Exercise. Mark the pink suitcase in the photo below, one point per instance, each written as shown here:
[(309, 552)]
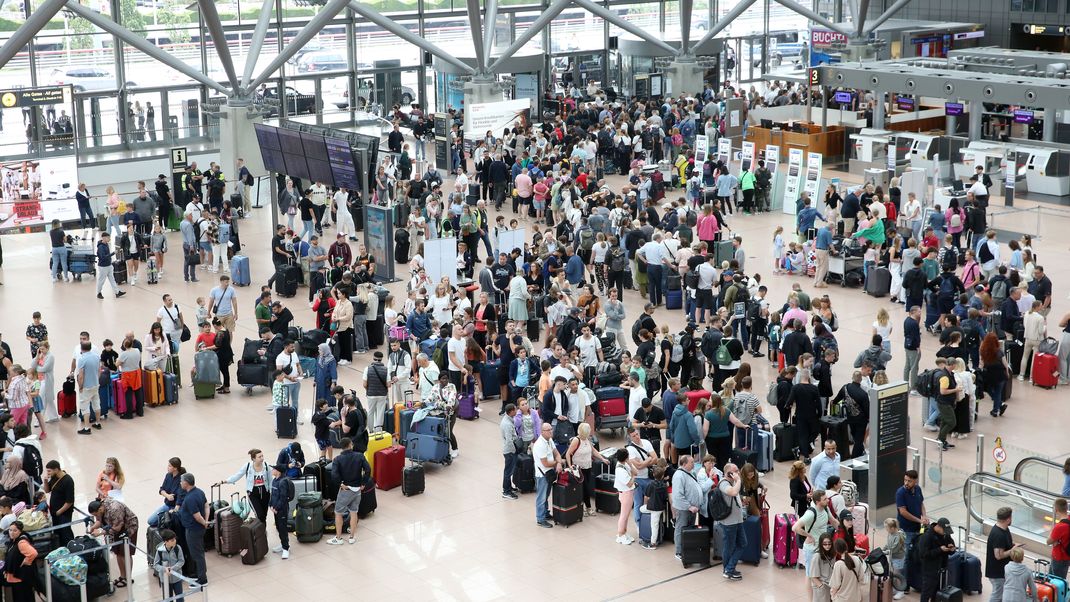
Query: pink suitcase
[(785, 550), (118, 396)]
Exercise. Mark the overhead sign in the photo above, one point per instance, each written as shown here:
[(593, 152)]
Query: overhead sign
[(969, 35), (496, 116), (35, 97), (815, 77), (952, 108), (889, 423)]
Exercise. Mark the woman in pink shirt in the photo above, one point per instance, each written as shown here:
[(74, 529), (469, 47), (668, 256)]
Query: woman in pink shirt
[(708, 226), (541, 190), (955, 222)]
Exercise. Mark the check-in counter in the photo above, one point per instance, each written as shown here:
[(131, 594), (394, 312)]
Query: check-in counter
[(810, 138), (1046, 171)]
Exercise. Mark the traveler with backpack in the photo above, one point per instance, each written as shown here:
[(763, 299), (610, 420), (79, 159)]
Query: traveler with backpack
[(1059, 539), (874, 354), (995, 371), (955, 222), (686, 499)]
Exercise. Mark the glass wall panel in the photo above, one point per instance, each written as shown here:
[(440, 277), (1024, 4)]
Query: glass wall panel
[(452, 34), (374, 46), (144, 71), (576, 30), (146, 124)]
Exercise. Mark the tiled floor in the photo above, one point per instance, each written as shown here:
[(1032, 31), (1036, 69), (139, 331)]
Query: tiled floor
[(459, 540)]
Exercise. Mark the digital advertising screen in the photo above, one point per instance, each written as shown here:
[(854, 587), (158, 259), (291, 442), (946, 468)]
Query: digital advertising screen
[(35, 192)]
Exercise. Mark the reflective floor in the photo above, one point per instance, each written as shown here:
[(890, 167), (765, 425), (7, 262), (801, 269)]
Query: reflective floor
[(459, 540)]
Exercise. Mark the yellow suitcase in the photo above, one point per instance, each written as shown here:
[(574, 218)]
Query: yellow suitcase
[(377, 441)]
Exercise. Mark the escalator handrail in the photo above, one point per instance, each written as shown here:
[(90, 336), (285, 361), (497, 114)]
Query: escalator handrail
[(978, 478), (1020, 467)]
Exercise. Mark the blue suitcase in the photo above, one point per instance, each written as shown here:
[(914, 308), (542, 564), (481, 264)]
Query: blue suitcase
[(406, 424), (674, 299), (170, 389), (752, 552), (239, 270), (308, 366), (489, 375), (644, 529), (431, 425), (964, 572), (763, 444), (426, 448)]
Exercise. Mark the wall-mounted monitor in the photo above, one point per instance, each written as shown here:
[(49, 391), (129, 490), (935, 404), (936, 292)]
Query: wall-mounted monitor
[(952, 108), (1023, 116), (844, 98)]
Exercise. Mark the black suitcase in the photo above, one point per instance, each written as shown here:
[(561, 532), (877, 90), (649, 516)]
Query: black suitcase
[(568, 502), (835, 428), (236, 202), (695, 545), (947, 592), (368, 504), (879, 282), (674, 281), (606, 497), (412, 480), (785, 449), (534, 329), (286, 280), (285, 422), (524, 475), (253, 375), (119, 270), (739, 457), (1014, 350)]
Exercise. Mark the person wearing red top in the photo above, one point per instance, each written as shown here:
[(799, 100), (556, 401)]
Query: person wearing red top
[(1059, 540), (930, 240), (581, 180), (206, 339)]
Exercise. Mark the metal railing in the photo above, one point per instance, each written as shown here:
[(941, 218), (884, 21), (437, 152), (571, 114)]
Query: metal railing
[(1033, 519), (925, 441)]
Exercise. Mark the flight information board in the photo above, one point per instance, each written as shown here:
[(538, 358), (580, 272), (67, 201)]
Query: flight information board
[(343, 165)]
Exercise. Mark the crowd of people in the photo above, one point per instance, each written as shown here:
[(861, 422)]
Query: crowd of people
[(543, 328)]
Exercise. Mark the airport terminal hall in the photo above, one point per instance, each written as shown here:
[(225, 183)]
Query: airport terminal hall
[(529, 300)]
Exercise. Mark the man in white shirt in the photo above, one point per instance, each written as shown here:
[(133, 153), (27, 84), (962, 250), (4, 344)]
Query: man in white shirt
[(989, 258), (636, 394), (547, 460), (170, 318), (290, 364), (979, 190), (707, 276), (590, 352), (427, 375), (578, 402), (565, 369), (344, 217), (455, 358), (656, 257), (399, 365), (83, 337), (640, 455)]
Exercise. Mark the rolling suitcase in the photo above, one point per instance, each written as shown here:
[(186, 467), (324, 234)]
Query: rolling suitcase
[(154, 388), (206, 368), (308, 522), (389, 465), (879, 282), (752, 552), (835, 428), (251, 375), (606, 497), (204, 390), (466, 407), (762, 442), (489, 375), (1014, 350), (784, 450), (119, 400), (254, 543), (567, 507), (431, 425), (285, 422), (964, 572), (1045, 370), (412, 480), (674, 299), (377, 441), (67, 404), (695, 545), (170, 389), (1043, 576), (723, 251), (524, 475), (227, 532), (645, 533), (368, 503), (286, 279), (426, 448), (404, 424), (947, 592), (239, 270), (880, 589), (785, 548)]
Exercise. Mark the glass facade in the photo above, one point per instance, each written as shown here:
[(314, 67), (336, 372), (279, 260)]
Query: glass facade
[(124, 99)]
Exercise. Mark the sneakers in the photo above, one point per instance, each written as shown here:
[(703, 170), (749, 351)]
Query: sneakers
[(932, 428), (946, 446), (765, 554), (735, 576), (343, 362), (898, 595), (85, 432), (646, 546), (352, 540), (678, 557), (277, 549), (1002, 409), (334, 541), (453, 453), (1021, 378), (510, 496), (119, 294), (285, 554), (100, 296), (545, 525), (625, 540)]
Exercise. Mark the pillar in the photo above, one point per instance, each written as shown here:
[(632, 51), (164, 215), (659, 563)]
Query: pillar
[(685, 77), (878, 110), (237, 138), (951, 124), (1048, 133), (974, 131)]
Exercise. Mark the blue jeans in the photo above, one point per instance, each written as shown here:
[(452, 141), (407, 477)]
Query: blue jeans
[(421, 148), (59, 262), (739, 326), (307, 229), (293, 392), (933, 413), (507, 475), (996, 395), (735, 541), (154, 518), (637, 499), (654, 276), (542, 490), (485, 237)]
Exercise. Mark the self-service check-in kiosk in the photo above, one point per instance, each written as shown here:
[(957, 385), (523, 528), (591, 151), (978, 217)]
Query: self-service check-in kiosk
[(1046, 170), (923, 154), (988, 154), (869, 150)]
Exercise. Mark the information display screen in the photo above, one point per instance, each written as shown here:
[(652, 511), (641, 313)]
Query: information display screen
[(1023, 116), (843, 97), (315, 148), (891, 429), (952, 108), (343, 166)]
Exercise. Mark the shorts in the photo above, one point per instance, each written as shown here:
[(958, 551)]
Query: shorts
[(323, 444), (89, 398), (38, 404), (539, 205), (348, 501), (206, 246)]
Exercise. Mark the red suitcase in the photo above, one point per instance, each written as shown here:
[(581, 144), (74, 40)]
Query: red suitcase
[(693, 397), (1045, 370), (118, 397), (612, 407), (67, 403), (389, 464)]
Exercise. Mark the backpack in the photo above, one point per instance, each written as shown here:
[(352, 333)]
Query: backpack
[(692, 218), (984, 253), (754, 310), (925, 385), (849, 491), (772, 396), (956, 220), (618, 262), (677, 352), (950, 259), (720, 508), (439, 355), (691, 279), (636, 327), (723, 357), (197, 230), (850, 406), (971, 333), (1066, 544), (947, 286), (586, 239), (999, 290), (32, 464), (873, 356)]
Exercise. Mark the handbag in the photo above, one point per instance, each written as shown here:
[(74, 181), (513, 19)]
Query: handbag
[(186, 334), (193, 257)]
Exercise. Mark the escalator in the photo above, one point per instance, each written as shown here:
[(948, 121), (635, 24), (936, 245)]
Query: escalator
[(1030, 494)]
